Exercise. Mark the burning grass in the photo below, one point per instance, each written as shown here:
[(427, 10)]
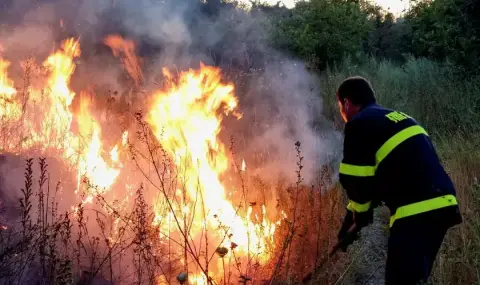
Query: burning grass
[(107, 241), (159, 200)]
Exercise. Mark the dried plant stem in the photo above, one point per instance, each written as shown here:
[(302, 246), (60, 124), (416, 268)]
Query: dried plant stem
[(297, 190)]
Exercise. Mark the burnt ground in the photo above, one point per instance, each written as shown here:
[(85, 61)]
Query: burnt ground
[(364, 261)]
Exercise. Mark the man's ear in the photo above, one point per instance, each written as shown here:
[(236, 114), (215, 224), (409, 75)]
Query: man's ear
[(346, 104)]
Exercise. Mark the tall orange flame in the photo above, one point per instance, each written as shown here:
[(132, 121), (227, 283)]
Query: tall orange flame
[(8, 107), (186, 118), (6, 84), (92, 164), (47, 119), (130, 60)]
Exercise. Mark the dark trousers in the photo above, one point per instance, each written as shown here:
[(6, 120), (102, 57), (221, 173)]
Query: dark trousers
[(412, 250)]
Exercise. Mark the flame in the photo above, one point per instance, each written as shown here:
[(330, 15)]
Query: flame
[(6, 85), (40, 117), (62, 67), (197, 279), (92, 165), (9, 108), (186, 119), (53, 102), (124, 138), (130, 61), (89, 159), (47, 119)]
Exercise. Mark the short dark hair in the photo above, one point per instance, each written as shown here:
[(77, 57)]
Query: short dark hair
[(358, 90)]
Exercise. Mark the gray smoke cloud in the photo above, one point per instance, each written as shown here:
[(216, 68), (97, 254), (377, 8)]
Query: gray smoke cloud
[(278, 96), (290, 111)]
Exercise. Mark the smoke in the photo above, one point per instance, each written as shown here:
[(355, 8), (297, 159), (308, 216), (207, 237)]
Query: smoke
[(284, 102), (278, 96)]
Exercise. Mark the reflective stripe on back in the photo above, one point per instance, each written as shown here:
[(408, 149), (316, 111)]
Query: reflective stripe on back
[(382, 153), (423, 206), (395, 140)]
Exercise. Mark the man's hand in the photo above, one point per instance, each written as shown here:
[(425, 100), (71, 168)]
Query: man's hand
[(363, 219), (347, 234), (352, 224), (348, 222)]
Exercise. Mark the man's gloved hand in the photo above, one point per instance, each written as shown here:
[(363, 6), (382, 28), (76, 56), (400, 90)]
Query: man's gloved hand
[(348, 240), (352, 224), (348, 222), (345, 235), (376, 203), (363, 219)]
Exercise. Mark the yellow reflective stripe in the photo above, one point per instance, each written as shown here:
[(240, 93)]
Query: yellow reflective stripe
[(383, 151), (359, 208), (350, 207), (357, 170), (395, 140), (423, 206)]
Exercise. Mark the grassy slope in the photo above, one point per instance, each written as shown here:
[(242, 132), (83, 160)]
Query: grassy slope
[(450, 110)]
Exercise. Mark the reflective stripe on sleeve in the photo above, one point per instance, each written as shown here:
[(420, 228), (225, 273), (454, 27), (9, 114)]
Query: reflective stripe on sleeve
[(422, 207), (359, 208), (357, 170)]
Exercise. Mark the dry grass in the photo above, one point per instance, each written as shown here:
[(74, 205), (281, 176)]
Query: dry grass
[(118, 244), (459, 260)]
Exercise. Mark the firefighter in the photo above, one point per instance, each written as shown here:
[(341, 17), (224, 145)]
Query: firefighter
[(388, 157)]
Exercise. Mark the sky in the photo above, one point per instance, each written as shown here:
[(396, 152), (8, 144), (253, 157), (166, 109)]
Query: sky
[(394, 6)]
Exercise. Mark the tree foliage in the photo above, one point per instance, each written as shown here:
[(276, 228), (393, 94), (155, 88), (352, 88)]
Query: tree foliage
[(447, 30), (322, 31), (390, 39)]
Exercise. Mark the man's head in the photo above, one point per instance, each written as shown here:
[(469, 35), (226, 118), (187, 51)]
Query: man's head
[(353, 95)]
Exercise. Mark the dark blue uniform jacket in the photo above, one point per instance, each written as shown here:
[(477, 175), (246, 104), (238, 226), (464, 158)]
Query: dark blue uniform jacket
[(389, 157)]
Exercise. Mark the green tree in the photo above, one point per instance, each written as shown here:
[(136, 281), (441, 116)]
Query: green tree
[(447, 30), (322, 31), (390, 39)]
